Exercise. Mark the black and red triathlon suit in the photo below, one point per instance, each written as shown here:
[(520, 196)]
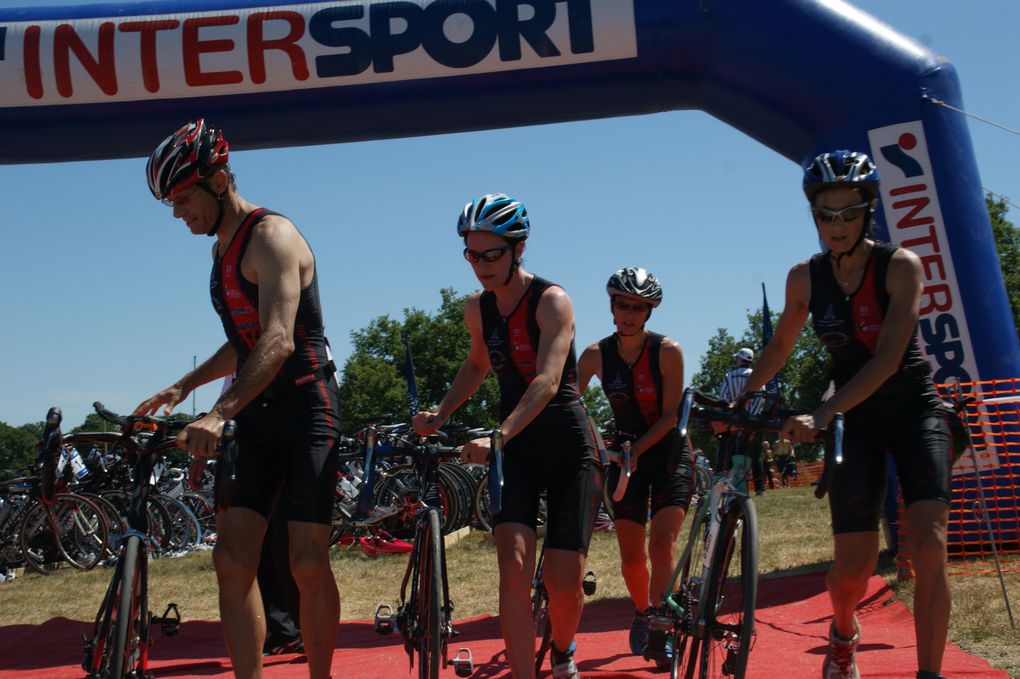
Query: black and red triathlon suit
[(287, 435), (904, 416), (664, 472), (556, 451)]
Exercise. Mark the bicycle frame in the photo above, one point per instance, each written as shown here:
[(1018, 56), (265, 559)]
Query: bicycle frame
[(121, 633)]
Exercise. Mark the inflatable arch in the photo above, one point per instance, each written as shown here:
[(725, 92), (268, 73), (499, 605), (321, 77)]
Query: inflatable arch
[(289, 73)]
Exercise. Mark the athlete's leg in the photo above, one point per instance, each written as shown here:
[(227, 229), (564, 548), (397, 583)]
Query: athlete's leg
[(320, 600), (562, 575), (515, 552), (630, 536), (239, 533), (855, 557), (926, 535), (662, 549)]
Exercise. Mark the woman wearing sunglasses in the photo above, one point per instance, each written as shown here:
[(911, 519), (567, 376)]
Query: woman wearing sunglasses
[(642, 375), (522, 327), (863, 296)]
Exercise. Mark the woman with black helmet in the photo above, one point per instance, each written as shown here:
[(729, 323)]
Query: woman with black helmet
[(642, 375), (522, 327), (864, 297)]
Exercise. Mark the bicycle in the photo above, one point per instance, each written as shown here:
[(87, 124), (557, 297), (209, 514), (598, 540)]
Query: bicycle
[(424, 612), (44, 527), (704, 626), (119, 646)]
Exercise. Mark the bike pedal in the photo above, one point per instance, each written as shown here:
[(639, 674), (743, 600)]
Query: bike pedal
[(463, 663), (86, 660), (589, 584), (385, 620), (170, 621)]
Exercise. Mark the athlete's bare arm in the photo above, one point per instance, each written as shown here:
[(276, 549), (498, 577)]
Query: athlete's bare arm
[(589, 365), (469, 378), (219, 365)]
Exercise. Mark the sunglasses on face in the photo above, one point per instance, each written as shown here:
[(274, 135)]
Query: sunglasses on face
[(847, 214), (488, 256), (627, 305)]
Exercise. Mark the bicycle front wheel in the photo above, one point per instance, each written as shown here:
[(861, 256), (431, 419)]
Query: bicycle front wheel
[(428, 622), (128, 612), (731, 593)]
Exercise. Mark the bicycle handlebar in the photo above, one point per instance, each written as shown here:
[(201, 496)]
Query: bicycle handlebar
[(706, 407), (495, 472), (374, 450)]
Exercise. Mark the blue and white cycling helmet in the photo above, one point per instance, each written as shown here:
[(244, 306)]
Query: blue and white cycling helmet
[(848, 169), (496, 213)]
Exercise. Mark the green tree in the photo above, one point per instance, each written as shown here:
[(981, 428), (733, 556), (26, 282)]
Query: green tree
[(598, 405), (18, 445), (1007, 244), (373, 382)]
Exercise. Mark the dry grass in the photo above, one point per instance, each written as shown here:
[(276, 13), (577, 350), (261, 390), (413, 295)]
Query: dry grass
[(794, 538)]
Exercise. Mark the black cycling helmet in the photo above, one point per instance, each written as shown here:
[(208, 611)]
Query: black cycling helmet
[(844, 169), (848, 169), (186, 158), (636, 283)]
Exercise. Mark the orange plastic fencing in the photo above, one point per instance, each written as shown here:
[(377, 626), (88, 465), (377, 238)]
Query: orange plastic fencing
[(994, 460)]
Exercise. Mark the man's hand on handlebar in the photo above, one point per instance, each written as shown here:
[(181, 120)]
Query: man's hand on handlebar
[(805, 428), (202, 437), (476, 451)]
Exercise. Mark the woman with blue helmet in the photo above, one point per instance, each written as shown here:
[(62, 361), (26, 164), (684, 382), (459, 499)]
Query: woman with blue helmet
[(863, 296), (522, 328)]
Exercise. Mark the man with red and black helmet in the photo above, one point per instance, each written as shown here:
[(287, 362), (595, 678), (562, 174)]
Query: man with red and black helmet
[(642, 375), (285, 397), (863, 296), (522, 328)]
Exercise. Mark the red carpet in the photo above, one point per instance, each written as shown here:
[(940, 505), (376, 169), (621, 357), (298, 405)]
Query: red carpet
[(793, 622)]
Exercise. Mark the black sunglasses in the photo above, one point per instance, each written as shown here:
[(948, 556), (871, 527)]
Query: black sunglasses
[(489, 256)]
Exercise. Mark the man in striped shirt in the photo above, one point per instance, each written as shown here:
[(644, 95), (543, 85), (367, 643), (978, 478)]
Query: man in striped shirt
[(730, 390)]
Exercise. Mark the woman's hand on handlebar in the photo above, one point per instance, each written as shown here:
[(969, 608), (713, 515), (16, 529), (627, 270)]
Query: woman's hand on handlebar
[(805, 428), (202, 437), (476, 451), (425, 423)]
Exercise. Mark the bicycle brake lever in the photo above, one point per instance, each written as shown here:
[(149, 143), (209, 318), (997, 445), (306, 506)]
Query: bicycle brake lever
[(837, 437), (685, 411)]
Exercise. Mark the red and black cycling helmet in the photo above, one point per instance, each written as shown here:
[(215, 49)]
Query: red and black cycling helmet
[(636, 283), (185, 158), (842, 168)]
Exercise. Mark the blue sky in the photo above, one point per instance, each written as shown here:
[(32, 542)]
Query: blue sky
[(105, 296)]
